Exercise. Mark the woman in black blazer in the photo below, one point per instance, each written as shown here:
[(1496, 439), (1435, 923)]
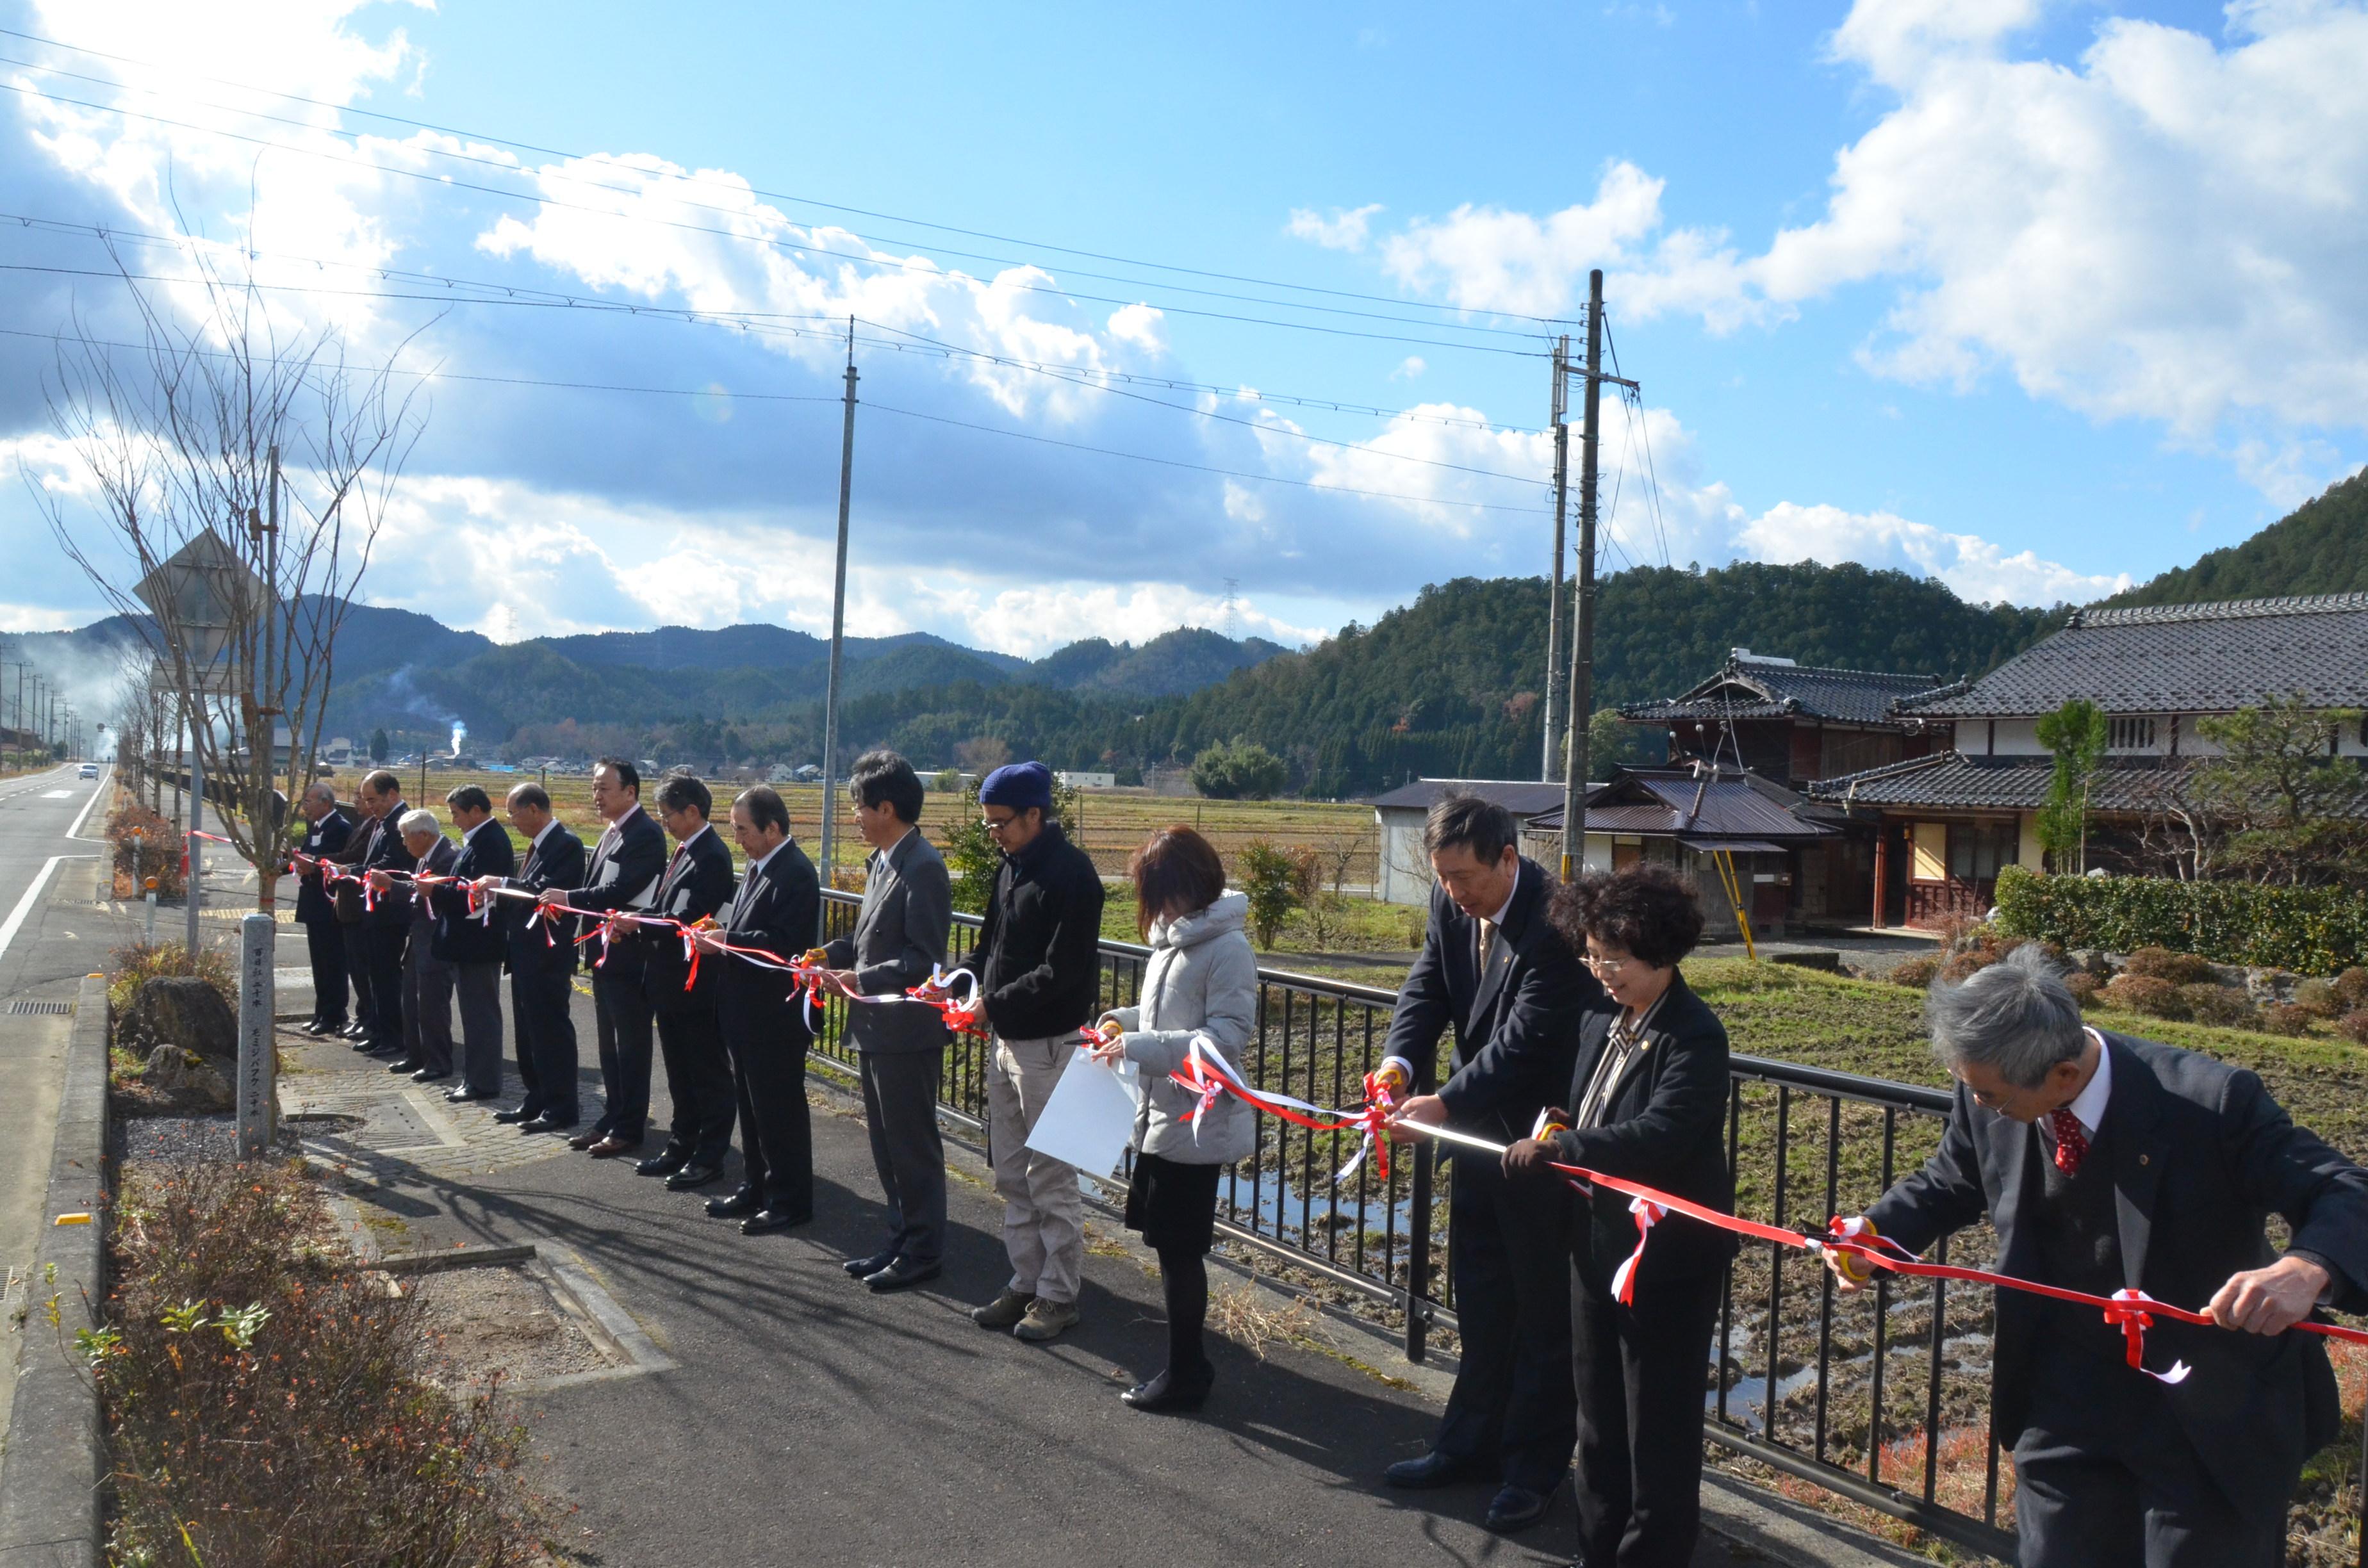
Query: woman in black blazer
[(1647, 1104)]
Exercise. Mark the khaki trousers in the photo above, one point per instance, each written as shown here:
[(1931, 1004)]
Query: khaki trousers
[(1042, 1206)]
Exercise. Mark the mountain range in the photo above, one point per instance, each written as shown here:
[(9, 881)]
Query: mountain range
[(1448, 684)]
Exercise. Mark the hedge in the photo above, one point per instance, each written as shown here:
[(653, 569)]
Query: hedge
[(2311, 930)]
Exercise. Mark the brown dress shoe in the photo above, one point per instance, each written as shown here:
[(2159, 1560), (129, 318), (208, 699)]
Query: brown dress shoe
[(612, 1146), (586, 1140)]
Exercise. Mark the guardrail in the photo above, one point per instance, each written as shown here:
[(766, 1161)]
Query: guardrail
[(1881, 1396)]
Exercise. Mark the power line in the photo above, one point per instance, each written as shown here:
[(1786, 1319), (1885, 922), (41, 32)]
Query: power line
[(894, 263), (773, 195)]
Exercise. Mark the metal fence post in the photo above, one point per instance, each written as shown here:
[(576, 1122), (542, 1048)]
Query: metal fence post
[(1418, 1302), (257, 937)]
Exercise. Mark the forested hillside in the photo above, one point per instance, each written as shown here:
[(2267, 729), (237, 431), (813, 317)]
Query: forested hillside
[(2321, 547)]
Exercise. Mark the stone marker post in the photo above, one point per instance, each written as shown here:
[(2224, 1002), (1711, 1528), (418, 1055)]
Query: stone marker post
[(258, 939)]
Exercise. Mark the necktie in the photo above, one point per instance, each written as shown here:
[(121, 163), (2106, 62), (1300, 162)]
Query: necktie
[(2071, 1143), (1488, 941)]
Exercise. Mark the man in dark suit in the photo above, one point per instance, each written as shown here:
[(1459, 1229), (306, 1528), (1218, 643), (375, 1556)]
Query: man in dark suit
[(2107, 1163), (697, 883), (326, 829), (541, 959), (622, 876), (427, 967), (474, 944), (762, 1023), (900, 938), (386, 923), (347, 901), (1493, 968)]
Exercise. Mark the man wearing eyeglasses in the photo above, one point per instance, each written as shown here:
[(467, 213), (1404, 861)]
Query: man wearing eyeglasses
[(1495, 969), (1039, 969)]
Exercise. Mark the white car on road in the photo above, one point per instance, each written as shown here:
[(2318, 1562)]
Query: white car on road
[(90, 770)]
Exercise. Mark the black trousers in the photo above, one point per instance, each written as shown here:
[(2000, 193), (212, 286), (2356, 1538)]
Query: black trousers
[(325, 944), (2106, 1478), (1512, 1400), (386, 946), (899, 1108), (1640, 1374), (358, 970), (767, 1047), (621, 1013), (540, 996), (698, 1081)]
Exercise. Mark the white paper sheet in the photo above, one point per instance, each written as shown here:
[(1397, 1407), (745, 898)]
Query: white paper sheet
[(1090, 1118)]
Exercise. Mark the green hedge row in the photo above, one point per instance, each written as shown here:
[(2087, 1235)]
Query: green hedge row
[(2311, 930)]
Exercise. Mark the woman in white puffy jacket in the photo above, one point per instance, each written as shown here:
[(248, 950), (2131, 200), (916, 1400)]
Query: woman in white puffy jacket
[(1199, 985)]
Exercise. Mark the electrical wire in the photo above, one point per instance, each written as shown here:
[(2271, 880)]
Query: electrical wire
[(737, 187), (892, 263), (1633, 397)]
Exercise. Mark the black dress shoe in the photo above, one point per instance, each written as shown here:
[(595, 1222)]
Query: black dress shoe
[(1434, 1469), (1169, 1391), (405, 1064), (692, 1175), (361, 1042), (901, 1275), (546, 1122), (767, 1221), (665, 1162), (739, 1205), (464, 1094), (865, 1267), (429, 1075), (317, 1027), (1516, 1507), (512, 1118), (355, 1030)]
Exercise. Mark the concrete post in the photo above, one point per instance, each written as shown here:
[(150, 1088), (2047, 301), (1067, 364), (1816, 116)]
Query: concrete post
[(257, 937)]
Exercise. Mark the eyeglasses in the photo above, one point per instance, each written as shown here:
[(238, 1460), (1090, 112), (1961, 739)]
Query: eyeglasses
[(1605, 966)]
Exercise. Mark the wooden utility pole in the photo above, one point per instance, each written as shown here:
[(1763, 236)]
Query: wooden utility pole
[(837, 636), (1582, 642), (1561, 406)]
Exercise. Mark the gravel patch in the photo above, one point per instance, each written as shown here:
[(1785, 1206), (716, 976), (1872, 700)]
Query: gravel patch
[(175, 1141)]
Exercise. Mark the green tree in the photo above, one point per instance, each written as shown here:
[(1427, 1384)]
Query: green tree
[(970, 855), (1273, 878), (1239, 770), (380, 746), (2076, 732), (2289, 802)]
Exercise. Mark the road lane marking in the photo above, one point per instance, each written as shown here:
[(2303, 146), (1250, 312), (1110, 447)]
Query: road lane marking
[(32, 896), (57, 794)]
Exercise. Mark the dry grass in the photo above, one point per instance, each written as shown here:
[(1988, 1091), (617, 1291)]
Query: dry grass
[(1254, 1316)]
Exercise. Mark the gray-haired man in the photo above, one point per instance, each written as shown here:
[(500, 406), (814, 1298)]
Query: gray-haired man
[(2076, 1142)]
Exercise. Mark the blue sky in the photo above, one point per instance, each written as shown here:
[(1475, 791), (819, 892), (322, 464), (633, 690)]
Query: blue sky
[(2038, 298)]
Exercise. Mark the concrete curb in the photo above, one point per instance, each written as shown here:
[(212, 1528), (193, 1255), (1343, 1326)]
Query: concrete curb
[(56, 1457)]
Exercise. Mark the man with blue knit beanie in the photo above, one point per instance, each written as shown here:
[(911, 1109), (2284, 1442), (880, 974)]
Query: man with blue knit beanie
[(1039, 968)]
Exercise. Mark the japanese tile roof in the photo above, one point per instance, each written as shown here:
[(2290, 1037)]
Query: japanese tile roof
[(2208, 658), (1729, 806), (1523, 800), (1759, 688), (1951, 779)]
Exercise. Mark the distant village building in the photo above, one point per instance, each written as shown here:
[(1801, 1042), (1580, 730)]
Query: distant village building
[(1076, 781), (1405, 874), (1947, 821), (1793, 723)]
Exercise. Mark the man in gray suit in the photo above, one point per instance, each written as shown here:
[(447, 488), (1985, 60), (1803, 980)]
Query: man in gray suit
[(900, 937)]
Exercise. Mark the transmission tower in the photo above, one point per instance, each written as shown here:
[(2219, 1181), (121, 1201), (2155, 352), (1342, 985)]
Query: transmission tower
[(1233, 609)]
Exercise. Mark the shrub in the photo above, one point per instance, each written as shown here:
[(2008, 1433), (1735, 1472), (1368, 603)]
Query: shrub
[(2144, 993), (130, 966), (1916, 972), (2318, 998), (250, 1382), (2351, 989), (2312, 930), (1271, 876), (2210, 1003), (145, 845), (2353, 1027), (1242, 770), (2286, 1018), (2083, 986), (2180, 969)]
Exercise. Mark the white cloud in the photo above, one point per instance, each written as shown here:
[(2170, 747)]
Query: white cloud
[(1410, 368), (1972, 567), (1348, 228), (1141, 325)]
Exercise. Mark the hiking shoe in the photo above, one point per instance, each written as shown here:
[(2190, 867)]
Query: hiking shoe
[(1005, 1311), (1045, 1319)]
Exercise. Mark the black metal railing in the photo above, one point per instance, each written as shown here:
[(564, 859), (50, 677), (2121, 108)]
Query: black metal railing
[(1880, 1396)]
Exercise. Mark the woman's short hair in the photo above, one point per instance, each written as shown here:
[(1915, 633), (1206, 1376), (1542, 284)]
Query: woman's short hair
[(766, 807), (680, 791), (1175, 872), (1650, 911), (884, 778)]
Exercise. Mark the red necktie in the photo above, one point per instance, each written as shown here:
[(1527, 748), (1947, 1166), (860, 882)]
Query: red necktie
[(2071, 1143)]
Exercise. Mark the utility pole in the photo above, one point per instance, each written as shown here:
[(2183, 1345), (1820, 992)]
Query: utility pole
[(1561, 405), (1582, 642), (838, 638)]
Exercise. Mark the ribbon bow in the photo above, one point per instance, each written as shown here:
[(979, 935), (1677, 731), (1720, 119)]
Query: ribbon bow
[(2129, 1315), (1623, 1280)]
